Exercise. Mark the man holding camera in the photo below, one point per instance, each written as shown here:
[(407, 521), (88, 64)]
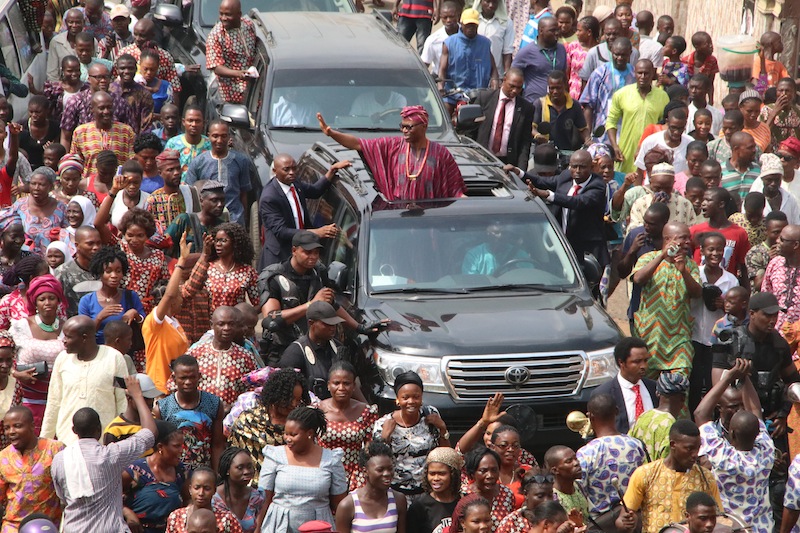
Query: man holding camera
[(771, 357)]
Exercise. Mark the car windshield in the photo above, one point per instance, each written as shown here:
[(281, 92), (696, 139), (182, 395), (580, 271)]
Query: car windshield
[(209, 9), (352, 99), (467, 253)]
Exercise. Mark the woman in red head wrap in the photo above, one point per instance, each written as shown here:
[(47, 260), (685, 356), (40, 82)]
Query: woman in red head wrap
[(789, 153), (39, 340)]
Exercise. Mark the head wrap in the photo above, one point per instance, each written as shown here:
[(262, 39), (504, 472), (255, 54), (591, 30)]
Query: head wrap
[(405, 378), (61, 246), (42, 284), (750, 93), (7, 341), (671, 383), (770, 165), (792, 145), (47, 172), (658, 154), (446, 456), (600, 150), (89, 212), (8, 217), (167, 156), (70, 161), (416, 113)]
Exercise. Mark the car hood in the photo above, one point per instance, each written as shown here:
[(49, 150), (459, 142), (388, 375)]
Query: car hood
[(480, 325)]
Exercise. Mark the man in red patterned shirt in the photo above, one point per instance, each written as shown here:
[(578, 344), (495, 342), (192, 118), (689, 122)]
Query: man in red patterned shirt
[(144, 32), (230, 51), (103, 134)]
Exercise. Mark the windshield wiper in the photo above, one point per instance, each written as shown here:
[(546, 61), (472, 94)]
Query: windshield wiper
[(519, 286), (295, 128), (420, 290)]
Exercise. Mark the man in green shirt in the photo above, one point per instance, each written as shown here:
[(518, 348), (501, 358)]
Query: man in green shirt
[(633, 108), (195, 225)]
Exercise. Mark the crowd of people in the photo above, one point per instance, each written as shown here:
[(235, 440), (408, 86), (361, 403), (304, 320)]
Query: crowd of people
[(136, 397)]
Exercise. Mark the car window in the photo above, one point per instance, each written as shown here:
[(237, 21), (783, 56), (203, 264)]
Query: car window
[(7, 46), (209, 9), (332, 208), (24, 48), (467, 252), (255, 95), (351, 98)]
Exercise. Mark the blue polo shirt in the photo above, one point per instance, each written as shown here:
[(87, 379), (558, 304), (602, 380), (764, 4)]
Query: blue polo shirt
[(537, 64)]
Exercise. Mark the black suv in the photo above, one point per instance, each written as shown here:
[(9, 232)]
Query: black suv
[(353, 68), (531, 330)]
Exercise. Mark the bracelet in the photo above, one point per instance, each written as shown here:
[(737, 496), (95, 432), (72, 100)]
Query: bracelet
[(181, 267)]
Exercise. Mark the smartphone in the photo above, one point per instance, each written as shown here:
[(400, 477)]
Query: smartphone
[(120, 382), (119, 170)]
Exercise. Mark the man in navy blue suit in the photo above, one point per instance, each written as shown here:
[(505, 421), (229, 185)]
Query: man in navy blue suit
[(631, 391), (577, 199), (282, 208)]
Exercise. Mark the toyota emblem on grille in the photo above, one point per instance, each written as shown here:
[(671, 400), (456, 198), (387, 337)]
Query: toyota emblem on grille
[(518, 375)]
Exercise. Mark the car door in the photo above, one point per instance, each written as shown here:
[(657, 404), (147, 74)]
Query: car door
[(19, 56)]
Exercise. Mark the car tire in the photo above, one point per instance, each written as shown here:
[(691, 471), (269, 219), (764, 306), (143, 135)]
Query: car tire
[(255, 232)]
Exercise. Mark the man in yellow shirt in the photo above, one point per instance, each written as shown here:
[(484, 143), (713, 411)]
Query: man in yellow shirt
[(636, 106), (659, 490)]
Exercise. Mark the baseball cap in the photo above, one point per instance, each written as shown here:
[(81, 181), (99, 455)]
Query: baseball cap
[(306, 240), (119, 10), (149, 389), (764, 301), (315, 526), (323, 311), (470, 16)]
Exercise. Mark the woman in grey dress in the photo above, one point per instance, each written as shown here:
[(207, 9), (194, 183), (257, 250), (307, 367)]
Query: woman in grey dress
[(302, 481)]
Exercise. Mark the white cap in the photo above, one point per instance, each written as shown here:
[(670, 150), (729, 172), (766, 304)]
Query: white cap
[(119, 10), (149, 389)]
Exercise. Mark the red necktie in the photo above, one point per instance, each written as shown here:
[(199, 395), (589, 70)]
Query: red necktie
[(638, 405), (575, 189), (497, 140), (300, 224)]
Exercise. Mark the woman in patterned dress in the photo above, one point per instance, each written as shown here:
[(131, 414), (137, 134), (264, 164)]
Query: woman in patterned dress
[(349, 421), (58, 93), (153, 485), (202, 486), (14, 305), (413, 430), (262, 425), (39, 212), (146, 267), (8, 384), (224, 270), (588, 36), (483, 471), (235, 493), (537, 487), (39, 339), (506, 442)]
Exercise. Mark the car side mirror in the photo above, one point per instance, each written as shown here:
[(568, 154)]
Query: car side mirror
[(169, 14), (337, 273), (236, 115), (592, 269), (469, 115)]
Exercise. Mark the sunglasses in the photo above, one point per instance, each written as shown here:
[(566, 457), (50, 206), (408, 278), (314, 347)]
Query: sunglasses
[(404, 127), (786, 157), (540, 480)]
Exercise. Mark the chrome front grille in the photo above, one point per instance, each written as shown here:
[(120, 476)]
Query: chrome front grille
[(549, 375)]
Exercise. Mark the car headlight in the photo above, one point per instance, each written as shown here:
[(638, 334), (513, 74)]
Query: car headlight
[(601, 367), (392, 364)]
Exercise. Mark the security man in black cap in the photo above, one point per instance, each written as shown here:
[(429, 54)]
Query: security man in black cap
[(315, 352), (288, 289), (770, 354)]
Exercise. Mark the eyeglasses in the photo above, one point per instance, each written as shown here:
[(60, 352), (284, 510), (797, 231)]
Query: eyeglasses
[(786, 157), (101, 76), (404, 127)]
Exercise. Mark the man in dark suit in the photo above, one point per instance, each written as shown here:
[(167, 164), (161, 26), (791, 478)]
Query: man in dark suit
[(507, 135), (577, 199), (630, 387), (282, 208)]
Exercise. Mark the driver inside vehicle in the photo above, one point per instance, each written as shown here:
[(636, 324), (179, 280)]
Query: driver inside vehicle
[(500, 248), (292, 110), (373, 103)]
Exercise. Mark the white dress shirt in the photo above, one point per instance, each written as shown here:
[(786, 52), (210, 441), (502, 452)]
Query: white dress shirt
[(501, 34), (630, 397), (432, 49), (287, 190)]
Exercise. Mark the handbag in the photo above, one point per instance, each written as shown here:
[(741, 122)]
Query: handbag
[(137, 338)]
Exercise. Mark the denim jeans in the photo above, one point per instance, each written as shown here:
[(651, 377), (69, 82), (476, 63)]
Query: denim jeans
[(409, 26)]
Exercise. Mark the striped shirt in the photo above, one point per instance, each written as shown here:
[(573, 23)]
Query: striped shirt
[(739, 182), (89, 140), (364, 524), (416, 9), (101, 512)]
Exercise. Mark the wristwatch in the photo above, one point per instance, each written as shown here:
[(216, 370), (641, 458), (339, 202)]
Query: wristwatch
[(446, 435)]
